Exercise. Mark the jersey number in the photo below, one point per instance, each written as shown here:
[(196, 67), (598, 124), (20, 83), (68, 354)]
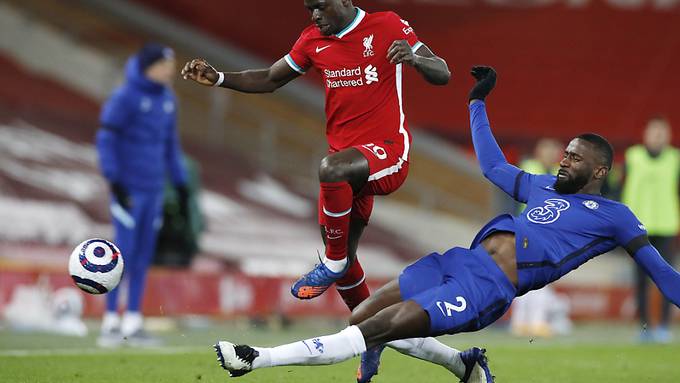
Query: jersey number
[(377, 150), (450, 307)]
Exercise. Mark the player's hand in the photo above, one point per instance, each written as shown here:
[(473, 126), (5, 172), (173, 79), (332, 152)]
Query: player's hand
[(121, 195), (400, 52), (200, 71), (486, 80)]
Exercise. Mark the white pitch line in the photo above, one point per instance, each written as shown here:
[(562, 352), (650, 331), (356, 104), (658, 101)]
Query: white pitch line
[(94, 350)]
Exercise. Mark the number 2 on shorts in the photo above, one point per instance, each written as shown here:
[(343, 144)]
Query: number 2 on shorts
[(450, 307)]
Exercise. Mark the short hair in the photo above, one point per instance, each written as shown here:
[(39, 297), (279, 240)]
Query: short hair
[(603, 147)]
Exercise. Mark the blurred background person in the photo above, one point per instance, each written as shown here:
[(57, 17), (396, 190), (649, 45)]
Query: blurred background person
[(650, 189), (137, 146), (545, 159), (541, 313)]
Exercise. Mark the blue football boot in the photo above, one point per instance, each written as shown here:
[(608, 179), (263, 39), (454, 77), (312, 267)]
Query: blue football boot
[(476, 367), (370, 361), (314, 283)]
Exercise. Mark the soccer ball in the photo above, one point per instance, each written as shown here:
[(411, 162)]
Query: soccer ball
[(96, 266)]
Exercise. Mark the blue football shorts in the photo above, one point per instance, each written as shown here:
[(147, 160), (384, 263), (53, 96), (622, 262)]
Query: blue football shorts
[(461, 290)]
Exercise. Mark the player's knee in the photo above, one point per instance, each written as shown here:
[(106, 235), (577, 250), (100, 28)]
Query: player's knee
[(333, 170)]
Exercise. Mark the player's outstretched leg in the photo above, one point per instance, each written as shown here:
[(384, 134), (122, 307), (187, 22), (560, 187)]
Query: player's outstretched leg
[(402, 320), (328, 349), (400, 326), (238, 360)]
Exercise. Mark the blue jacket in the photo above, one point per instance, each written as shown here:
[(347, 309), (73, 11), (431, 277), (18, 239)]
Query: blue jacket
[(137, 142)]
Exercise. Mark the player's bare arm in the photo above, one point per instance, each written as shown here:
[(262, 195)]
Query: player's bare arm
[(248, 81), (433, 68)]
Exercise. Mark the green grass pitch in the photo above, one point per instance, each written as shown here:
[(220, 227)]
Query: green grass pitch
[(592, 354)]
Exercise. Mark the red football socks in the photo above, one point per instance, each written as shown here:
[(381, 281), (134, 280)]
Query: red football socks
[(336, 203), (352, 287)]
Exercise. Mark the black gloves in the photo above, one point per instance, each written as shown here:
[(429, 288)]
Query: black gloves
[(183, 201), (121, 195), (486, 80)]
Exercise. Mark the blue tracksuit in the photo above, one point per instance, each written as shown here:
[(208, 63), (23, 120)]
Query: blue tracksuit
[(138, 146), (464, 290)]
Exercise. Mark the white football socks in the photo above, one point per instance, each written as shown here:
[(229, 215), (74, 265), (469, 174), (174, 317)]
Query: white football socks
[(349, 343), (335, 266), (327, 349), (110, 321), (431, 350), (132, 321)]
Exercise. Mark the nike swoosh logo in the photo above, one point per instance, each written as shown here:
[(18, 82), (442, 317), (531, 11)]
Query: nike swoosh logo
[(322, 48)]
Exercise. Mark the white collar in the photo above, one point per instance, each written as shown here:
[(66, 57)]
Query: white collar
[(357, 19)]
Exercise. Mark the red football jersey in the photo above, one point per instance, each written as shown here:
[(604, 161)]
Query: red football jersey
[(363, 89)]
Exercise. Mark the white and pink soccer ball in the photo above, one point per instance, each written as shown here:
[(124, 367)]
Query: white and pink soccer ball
[(96, 266)]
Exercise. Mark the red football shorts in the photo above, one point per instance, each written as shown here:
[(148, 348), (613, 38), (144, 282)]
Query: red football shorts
[(387, 171)]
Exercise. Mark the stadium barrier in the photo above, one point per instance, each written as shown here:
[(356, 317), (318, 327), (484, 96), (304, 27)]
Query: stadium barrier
[(229, 295)]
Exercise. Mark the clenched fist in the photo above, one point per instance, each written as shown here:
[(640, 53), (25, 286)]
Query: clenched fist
[(200, 71), (486, 81)]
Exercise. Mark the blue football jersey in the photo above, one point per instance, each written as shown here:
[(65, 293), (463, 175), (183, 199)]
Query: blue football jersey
[(138, 143), (557, 233)]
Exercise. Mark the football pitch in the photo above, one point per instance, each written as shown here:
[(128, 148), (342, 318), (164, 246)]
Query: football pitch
[(593, 353)]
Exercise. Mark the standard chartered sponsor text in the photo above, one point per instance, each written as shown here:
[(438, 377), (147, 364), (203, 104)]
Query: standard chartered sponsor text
[(342, 83), (348, 77), (344, 72)]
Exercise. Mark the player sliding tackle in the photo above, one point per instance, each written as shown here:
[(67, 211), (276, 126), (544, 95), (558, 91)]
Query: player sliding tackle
[(566, 223)]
